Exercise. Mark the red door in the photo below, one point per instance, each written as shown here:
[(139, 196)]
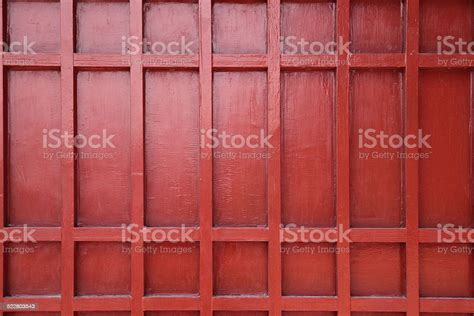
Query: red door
[(237, 157)]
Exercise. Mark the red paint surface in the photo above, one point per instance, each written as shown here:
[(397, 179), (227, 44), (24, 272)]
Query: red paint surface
[(235, 80)]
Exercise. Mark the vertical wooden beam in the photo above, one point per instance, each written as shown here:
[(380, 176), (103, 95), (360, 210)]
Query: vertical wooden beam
[(4, 144), (205, 167), (411, 165), (67, 165), (137, 156), (342, 158), (273, 163)]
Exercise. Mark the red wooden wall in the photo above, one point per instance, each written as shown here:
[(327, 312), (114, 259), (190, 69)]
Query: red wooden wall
[(236, 80)]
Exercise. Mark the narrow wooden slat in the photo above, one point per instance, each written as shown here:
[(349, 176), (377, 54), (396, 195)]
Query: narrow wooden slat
[(274, 162), (240, 234), (378, 304), (36, 60), (102, 303), (67, 165), (175, 303), (302, 62), (101, 60), (137, 156), (295, 303), (377, 60), (226, 61), (446, 305), (342, 160), (40, 233), (442, 61), (170, 61), (3, 154), (205, 164), (411, 165), (237, 303), (385, 235)]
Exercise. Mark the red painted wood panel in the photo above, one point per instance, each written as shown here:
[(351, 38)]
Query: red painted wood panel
[(235, 77), (104, 184), (308, 196), (445, 178), (376, 177), (172, 167), (33, 166), (240, 190)]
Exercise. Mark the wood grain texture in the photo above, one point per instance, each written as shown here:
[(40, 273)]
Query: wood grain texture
[(104, 184), (239, 108), (445, 180), (172, 197), (376, 180), (31, 171), (307, 149)]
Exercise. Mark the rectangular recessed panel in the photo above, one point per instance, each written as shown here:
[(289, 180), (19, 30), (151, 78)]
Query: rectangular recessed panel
[(307, 168), (102, 268), (446, 270), (30, 32), (377, 26), (376, 164), (445, 107), (240, 268), (171, 27), (378, 269), (239, 28), (34, 148), (172, 148), (307, 27), (32, 268), (103, 164), (443, 23), (102, 27), (308, 269), (240, 144), (171, 268)]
